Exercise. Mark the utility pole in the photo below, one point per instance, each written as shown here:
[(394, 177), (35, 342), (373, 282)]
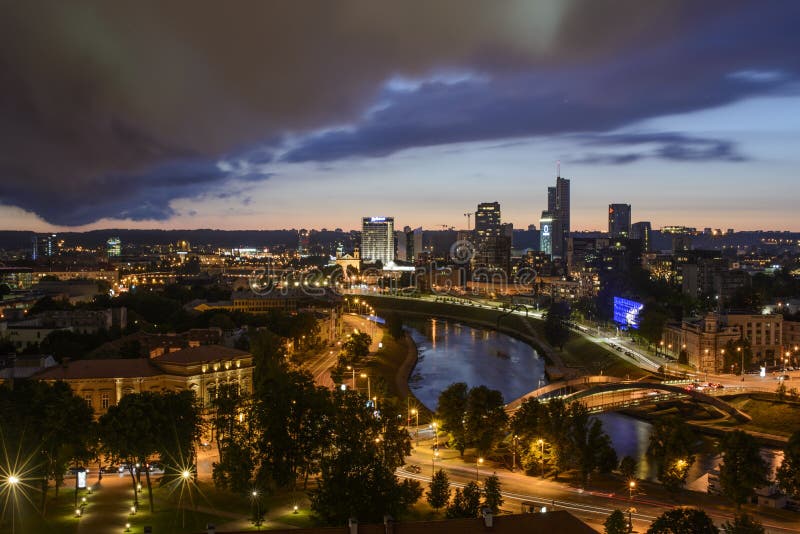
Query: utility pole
[(468, 215)]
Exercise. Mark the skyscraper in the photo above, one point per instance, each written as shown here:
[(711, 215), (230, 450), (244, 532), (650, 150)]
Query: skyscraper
[(619, 220), (113, 247), (487, 220), (546, 233), (44, 246), (377, 239), (558, 208), (493, 248), (641, 231)]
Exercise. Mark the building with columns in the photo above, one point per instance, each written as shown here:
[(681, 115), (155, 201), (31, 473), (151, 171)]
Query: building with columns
[(202, 370), (705, 339)]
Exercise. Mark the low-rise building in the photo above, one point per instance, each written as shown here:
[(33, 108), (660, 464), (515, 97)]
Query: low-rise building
[(705, 339), (202, 370)]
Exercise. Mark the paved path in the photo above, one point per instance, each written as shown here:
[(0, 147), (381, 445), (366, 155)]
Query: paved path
[(107, 506)]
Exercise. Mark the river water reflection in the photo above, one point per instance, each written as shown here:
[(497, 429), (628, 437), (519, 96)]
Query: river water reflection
[(453, 352)]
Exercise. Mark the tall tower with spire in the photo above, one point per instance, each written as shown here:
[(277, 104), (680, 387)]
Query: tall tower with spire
[(558, 207)]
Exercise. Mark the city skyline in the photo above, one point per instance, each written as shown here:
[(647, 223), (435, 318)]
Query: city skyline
[(682, 110)]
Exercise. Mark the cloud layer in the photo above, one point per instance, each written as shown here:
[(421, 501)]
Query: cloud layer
[(117, 109)]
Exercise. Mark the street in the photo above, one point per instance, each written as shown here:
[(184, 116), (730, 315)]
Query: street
[(591, 506)]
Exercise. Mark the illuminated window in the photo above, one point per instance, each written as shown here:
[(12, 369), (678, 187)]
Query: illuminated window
[(104, 401)]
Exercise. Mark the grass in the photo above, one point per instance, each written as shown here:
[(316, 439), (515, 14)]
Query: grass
[(173, 520), (60, 517), (581, 352), (769, 416)]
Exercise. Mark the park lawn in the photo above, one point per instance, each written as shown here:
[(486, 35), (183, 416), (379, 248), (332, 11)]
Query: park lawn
[(60, 516), (173, 520), (770, 417), (302, 519), (581, 352)]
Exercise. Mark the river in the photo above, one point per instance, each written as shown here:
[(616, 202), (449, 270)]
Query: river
[(450, 352)]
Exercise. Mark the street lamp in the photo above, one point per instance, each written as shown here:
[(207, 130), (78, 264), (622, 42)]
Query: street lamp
[(540, 442), (12, 481), (631, 510), (741, 371), (415, 413), (433, 460), (257, 502), (435, 435), (477, 466), (369, 391), (514, 440), (631, 487)]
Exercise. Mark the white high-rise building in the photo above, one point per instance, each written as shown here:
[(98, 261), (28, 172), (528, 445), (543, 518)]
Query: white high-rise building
[(377, 239)]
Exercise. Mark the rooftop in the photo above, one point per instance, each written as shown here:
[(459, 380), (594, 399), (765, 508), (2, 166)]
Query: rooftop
[(203, 353), (112, 368)]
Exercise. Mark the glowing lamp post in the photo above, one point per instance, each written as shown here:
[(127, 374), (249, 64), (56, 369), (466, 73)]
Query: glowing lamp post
[(12, 481)]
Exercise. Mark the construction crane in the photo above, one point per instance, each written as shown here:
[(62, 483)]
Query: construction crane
[(468, 215)]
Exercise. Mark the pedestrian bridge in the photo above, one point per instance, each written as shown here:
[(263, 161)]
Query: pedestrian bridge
[(603, 393)]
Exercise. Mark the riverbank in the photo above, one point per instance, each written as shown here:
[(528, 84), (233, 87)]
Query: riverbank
[(771, 430), (579, 357), (392, 366)]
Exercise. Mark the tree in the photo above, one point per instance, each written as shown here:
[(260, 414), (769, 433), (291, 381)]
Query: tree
[(178, 417), (742, 470), (492, 490), (357, 471), (652, 321), (394, 325), (788, 474), (672, 447), (451, 409), (527, 419), (465, 503), (129, 431), (743, 524), (356, 348), (627, 467), (683, 521), (736, 353), (616, 523), (439, 490), (290, 413), (485, 418), (556, 330), (780, 391), (590, 447), (44, 428)]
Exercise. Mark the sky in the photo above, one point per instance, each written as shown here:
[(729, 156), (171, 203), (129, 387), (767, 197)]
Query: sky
[(308, 114)]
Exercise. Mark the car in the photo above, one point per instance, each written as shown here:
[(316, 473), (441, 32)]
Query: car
[(109, 469), (783, 377), (413, 468), (155, 468)]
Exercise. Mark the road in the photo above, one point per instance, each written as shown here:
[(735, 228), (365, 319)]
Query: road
[(591, 506), (320, 366), (629, 351)]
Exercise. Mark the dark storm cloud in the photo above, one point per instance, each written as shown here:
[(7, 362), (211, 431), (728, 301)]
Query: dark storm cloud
[(701, 68), (112, 109), (668, 146)]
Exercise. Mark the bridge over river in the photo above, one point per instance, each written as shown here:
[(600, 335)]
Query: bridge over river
[(607, 393)]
